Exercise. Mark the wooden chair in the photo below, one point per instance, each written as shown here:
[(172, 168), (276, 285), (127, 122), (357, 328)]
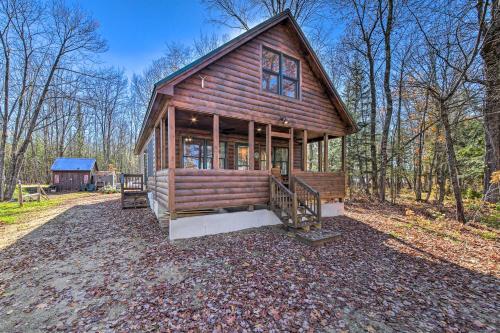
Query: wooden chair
[(276, 172)]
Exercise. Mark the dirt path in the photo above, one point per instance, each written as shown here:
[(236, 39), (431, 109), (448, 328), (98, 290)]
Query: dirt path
[(9, 233), (95, 267)]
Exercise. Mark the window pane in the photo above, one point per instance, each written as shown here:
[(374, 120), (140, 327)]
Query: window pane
[(191, 148), (270, 60), (222, 150), (242, 158), (209, 149), (191, 163), (270, 82), (290, 67), (290, 88), (263, 157)]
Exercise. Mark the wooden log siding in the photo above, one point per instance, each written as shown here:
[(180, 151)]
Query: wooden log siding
[(150, 185), (210, 189), (162, 187), (330, 185), (233, 88)]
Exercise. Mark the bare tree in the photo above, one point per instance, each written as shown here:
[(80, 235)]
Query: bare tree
[(367, 18), (176, 56), (456, 47), (48, 40), (108, 97), (231, 13), (207, 43), (387, 27), (491, 57), (240, 14)]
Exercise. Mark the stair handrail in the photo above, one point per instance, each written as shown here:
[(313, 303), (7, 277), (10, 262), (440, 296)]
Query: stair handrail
[(276, 199), (307, 196)]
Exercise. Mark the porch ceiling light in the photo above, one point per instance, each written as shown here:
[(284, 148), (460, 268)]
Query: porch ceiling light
[(259, 129), (284, 120), (193, 119)]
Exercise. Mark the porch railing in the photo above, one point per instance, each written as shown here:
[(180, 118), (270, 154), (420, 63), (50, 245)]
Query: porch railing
[(134, 182), (283, 202), (132, 191), (309, 202)]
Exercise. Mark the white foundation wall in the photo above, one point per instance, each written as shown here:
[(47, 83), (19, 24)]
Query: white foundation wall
[(332, 209), (197, 226), (153, 204)]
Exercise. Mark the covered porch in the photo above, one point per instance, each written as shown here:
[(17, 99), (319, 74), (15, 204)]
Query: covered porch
[(206, 163)]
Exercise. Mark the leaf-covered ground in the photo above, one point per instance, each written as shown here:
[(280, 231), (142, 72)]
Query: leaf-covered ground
[(95, 267)]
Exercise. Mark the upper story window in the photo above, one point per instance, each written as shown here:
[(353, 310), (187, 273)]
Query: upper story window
[(280, 73)]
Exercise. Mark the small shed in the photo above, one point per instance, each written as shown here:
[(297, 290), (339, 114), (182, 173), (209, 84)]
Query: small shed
[(105, 178), (72, 174)]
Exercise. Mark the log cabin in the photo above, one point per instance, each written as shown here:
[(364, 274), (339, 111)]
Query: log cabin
[(240, 137)]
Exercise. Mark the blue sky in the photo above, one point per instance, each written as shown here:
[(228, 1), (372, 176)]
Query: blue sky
[(137, 31)]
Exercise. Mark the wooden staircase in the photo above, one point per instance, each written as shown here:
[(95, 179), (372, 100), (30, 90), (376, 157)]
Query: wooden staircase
[(298, 206)]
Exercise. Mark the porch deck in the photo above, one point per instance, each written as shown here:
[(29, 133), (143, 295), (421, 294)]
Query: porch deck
[(213, 189)]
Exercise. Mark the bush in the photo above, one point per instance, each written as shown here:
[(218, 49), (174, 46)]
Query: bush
[(108, 189), (472, 194)]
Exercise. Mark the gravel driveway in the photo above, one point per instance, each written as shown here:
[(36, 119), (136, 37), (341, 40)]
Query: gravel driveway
[(95, 267)]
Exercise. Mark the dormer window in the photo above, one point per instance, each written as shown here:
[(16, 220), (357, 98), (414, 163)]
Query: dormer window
[(280, 73)]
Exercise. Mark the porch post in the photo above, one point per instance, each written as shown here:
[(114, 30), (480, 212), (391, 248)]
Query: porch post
[(171, 161), (343, 153), (251, 145), (304, 150), (268, 146), (344, 166), (290, 153), (215, 147), (325, 152), (163, 146), (320, 156)]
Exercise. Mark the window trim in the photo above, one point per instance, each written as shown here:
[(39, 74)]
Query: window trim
[(281, 75)]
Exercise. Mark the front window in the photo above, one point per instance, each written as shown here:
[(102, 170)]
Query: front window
[(222, 155), (197, 153), (192, 157), (280, 73)]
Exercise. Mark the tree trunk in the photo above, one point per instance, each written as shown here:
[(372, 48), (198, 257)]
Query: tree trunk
[(491, 57), (5, 115), (452, 162), (18, 155), (431, 169), (398, 125), (373, 123), (388, 97)]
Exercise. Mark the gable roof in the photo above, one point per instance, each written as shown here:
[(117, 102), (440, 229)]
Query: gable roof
[(165, 86), (73, 164)]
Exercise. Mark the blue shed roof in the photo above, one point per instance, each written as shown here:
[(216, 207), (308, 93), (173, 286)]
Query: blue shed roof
[(73, 164)]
